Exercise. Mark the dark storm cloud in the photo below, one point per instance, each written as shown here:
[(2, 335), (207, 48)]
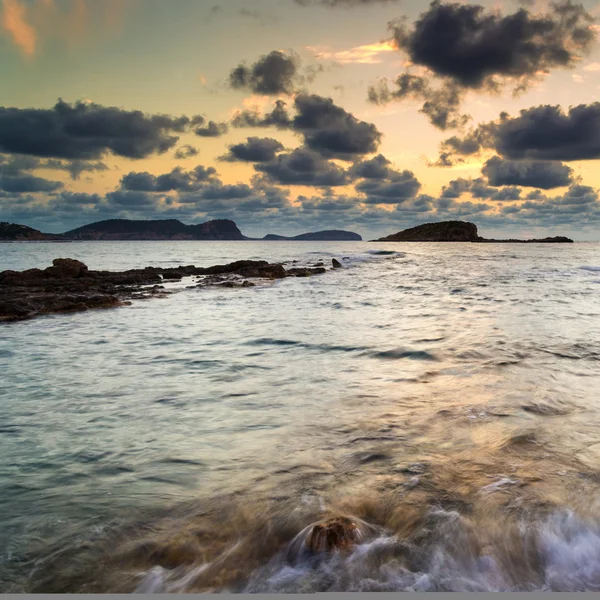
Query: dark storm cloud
[(303, 167), (272, 74), (473, 46), (527, 173), (539, 133), (86, 131), (255, 149), (176, 180), (326, 128), (186, 151)]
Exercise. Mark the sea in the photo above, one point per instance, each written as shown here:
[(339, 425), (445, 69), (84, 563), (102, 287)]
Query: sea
[(444, 397)]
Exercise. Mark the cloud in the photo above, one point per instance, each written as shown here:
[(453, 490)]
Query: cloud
[(14, 22), (477, 48), (543, 132), (278, 117), (273, 74), (325, 127), (367, 54), (480, 189), (176, 180), (343, 3), (255, 149), (375, 168), (396, 188), (331, 130), (528, 173), (464, 47), (84, 131), (202, 128), (303, 167), (12, 165), (441, 105), (186, 151), (132, 200), (28, 183)]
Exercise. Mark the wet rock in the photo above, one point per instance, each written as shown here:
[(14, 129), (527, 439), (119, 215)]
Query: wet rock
[(67, 268), (68, 285), (336, 264), (174, 276), (305, 272), (337, 533)]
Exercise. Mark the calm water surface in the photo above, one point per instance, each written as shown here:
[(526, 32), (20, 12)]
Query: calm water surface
[(445, 396)]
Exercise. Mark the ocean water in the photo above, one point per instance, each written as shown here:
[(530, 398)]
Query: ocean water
[(446, 397)]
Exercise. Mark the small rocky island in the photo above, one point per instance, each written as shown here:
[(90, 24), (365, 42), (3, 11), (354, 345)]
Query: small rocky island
[(330, 235), (70, 286), (458, 231)]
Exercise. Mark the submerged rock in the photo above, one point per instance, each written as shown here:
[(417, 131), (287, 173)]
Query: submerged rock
[(337, 533)]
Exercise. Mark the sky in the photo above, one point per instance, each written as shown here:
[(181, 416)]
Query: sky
[(290, 116)]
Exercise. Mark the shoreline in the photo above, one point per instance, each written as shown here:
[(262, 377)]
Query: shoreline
[(69, 286)]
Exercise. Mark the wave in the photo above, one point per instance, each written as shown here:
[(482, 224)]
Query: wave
[(449, 553)]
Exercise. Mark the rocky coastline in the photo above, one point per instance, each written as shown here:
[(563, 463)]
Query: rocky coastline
[(70, 286)]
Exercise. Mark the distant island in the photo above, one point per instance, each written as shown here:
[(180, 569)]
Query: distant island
[(330, 235), (458, 231), (170, 229), (227, 230)]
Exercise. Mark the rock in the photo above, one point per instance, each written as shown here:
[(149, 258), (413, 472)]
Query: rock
[(306, 272), (337, 533), (67, 268), (68, 285), (336, 264)]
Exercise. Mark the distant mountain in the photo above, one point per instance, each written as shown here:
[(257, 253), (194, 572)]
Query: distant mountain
[(330, 235), (458, 231), (21, 233), (171, 229)]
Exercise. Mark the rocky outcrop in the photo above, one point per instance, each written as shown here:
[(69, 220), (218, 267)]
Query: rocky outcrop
[(457, 231), (336, 263), (446, 231), (68, 285)]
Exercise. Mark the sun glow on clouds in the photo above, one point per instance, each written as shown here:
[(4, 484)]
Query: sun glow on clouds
[(14, 21), (28, 25), (367, 54)]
